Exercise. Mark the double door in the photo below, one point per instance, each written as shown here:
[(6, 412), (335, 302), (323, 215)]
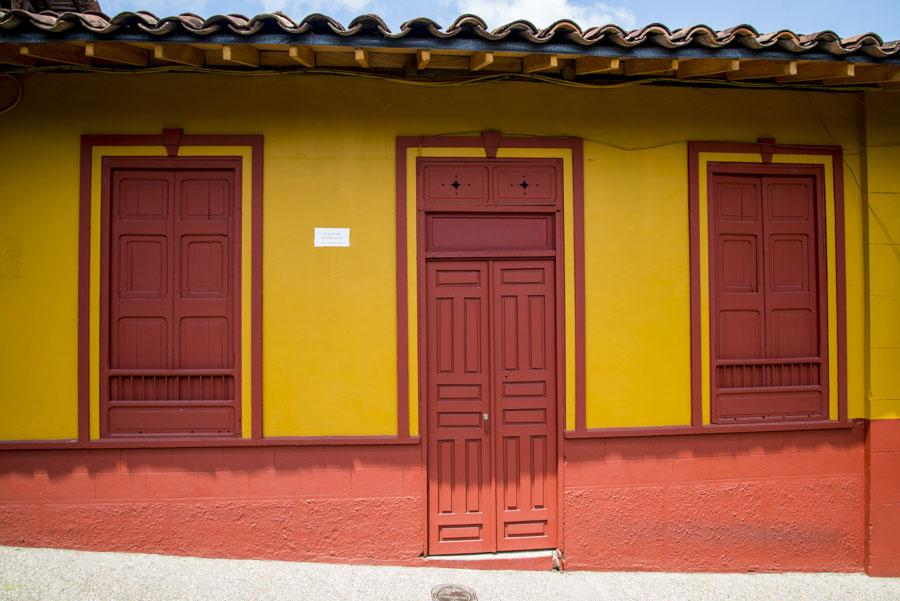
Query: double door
[(491, 396)]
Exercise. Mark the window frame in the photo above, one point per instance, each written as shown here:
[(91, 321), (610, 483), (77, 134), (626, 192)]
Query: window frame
[(95, 149), (760, 155), (763, 171), (109, 165)]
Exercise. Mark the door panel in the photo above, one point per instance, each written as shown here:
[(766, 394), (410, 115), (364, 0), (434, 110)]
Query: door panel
[(491, 350), (525, 408), (460, 498)]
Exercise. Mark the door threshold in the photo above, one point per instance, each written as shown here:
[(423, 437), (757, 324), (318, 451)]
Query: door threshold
[(543, 559)]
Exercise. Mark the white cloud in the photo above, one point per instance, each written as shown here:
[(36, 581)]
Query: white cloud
[(329, 7), (161, 8), (544, 12)]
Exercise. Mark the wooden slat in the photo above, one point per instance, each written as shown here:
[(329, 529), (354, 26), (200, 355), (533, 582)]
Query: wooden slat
[(179, 53), (117, 52), (480, 60), (304, 55), (423, 57), (755, 69), (275, 58), (649, 66), (246, 56), (818, 70), (391, 60), (504, 64), (533, 63), (361, 57), (66, 54), (10, 55), (588, 65), (446, 61), (705, 67), (867, 74)]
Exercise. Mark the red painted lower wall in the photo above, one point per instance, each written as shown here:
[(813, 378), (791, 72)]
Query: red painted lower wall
[(883, 517), (725, 502), (347, 504), (786, 501)]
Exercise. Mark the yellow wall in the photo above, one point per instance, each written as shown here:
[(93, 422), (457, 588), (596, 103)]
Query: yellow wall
[(883, 161), (329, 344)]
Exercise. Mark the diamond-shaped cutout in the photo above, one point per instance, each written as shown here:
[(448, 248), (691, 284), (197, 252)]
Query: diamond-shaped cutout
[(456, 184), (524, 185)]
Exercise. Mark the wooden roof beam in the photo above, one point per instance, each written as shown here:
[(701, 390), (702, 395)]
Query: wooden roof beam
[(589, 65), (706, 67), (480, 60), (361, 57), (535, 63), (67, 54), (180, 54), (650, 66), (304, 55), (867, 74), (10, 55), (243, 55), (819, 70), (117, 52), (758, 69), (423, 57)]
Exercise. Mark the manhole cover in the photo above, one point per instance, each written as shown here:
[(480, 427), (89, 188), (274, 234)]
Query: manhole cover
[(452, 592)]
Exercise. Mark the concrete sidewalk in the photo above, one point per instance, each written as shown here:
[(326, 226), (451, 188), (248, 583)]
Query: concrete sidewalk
[(51, 575)]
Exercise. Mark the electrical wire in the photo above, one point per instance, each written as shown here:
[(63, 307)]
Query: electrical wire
[(697, 83), (19, 93)]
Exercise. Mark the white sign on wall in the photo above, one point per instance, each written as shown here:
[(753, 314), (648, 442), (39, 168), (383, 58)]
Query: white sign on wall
[(331, 236)]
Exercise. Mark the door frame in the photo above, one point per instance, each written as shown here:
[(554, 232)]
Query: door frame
[(558, 258)]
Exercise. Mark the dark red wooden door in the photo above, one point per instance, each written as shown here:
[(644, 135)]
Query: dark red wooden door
[(171, 364), (765, 274), (524, 383), (491, 390)]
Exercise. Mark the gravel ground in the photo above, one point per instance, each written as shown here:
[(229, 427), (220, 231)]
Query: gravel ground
[(52, 574)]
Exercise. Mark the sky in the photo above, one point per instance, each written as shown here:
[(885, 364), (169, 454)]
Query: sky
[(846, 17)]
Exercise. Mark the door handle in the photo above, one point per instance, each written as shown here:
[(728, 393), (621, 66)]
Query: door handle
[(486, 419)]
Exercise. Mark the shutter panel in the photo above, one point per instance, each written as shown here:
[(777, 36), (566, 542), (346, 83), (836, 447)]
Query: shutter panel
[(172, 367), (764, 290)]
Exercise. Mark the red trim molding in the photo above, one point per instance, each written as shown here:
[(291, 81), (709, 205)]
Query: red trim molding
[(490, 141), (176, 443), (171, 140)]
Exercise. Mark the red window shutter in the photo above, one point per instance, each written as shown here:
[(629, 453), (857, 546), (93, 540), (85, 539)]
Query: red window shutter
[(172, 346), (767, 343)]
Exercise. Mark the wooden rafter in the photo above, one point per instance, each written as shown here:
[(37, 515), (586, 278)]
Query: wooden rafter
[(246, 56), (867, 74), (67, 54), (819, 70), (10, 55), (706, 67), (589, 65), (303, 55), (650, 66), (117, 52), (423, 57), (480, 60), (361, 57), (534, 63), (755, 69), (180, 54)]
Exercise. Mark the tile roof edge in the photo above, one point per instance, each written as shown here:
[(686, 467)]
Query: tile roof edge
[(562, 31)]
